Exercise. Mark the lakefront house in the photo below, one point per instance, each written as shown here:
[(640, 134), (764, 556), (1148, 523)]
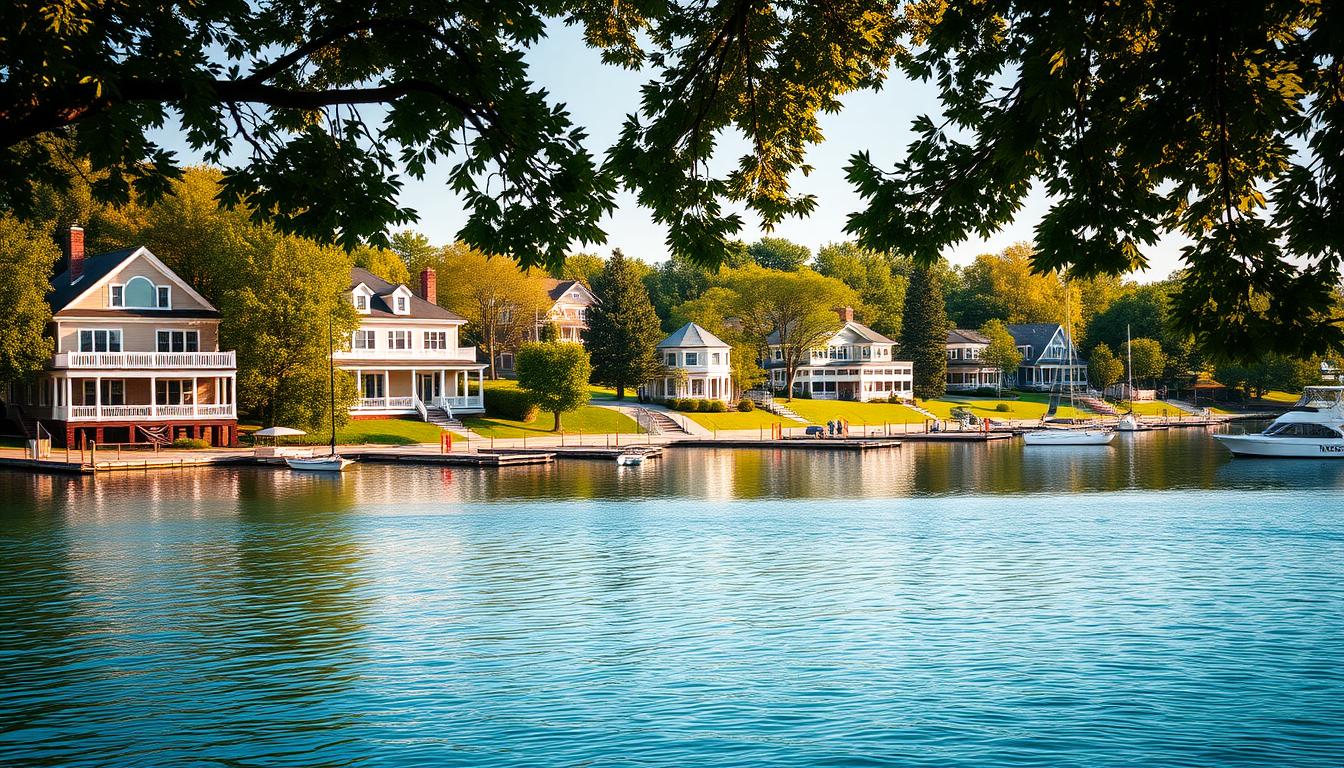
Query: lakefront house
[(697, 367), (137, 356), (568, 312), (1047, 350), (853, 363), (965, 371), (406, 354)]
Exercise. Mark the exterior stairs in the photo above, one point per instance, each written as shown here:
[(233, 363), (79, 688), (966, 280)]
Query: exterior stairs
[(1097, 405), (442, 419), (921, 411), (658, 423)]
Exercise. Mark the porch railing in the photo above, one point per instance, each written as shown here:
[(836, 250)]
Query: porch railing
[(132, 412), (386, 403), (448, 403), (124, 360)]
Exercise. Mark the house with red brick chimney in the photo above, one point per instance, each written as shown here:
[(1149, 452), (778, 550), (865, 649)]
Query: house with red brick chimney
[(136, 356), (853, 363), (406, 355)]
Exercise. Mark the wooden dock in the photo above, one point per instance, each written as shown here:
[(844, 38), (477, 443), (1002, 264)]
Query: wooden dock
[(483, 459), (796, 443), (964, 436), (580, 452)]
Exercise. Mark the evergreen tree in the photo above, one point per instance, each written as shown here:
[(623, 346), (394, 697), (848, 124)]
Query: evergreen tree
[(623, 329), (924, 332)]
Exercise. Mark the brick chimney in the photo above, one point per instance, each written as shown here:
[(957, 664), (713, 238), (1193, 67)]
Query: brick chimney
[(846, 314), (74, 252), (429, 285)]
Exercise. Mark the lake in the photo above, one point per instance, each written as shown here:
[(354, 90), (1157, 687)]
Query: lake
[(1152, 603)]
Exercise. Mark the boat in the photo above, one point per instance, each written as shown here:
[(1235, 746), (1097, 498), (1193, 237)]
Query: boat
[(1313, 428), (1049, 435), (1129, 423), (320, 464), (334, 462), (629, 459), (1069, 437)]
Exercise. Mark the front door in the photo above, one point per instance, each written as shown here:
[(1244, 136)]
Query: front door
[(427, 385)]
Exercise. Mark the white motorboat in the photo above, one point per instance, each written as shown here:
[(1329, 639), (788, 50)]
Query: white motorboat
[(629, 459), (320, 464), (1314, 428), (1128, 423), (1069, 437)]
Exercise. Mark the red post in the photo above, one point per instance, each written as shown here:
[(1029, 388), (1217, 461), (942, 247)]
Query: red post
[(446, 442)]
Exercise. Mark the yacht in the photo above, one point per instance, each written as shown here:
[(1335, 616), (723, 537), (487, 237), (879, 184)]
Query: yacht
[(1313, 428)]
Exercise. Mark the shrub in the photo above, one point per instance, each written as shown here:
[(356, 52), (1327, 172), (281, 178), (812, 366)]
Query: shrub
[(985, 391), (694, 405), (1003, 408), (509, 403), (745, 406), (718, 406), (189, 442)]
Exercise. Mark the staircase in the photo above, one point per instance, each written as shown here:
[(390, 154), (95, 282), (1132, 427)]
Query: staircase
[(921, 411), (442, 419), (1097, 405), (779, 409), (658, 423)]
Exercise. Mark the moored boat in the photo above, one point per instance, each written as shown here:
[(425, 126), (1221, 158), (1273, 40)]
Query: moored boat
[(320, 464), (1069, 437), (629, 459), (1313, 428)]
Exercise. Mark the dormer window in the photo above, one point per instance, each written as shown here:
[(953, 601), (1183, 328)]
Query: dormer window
[(165, 299), (361, 302), (401, 305), (118, 296)]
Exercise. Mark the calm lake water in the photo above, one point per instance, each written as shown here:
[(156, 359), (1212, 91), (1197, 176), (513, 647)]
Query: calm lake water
[(1155, 603)]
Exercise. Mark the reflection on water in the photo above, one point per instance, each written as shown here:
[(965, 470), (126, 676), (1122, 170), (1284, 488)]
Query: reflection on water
[(939, 605)]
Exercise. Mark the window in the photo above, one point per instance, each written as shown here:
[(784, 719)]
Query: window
[(1303, 430), (506, 316), (506, 361), (692, 358), (398, 339), (179, 341), (867, 353), (779, 354), (672, 359), (372, 386), (401, 305), (140, 292), (436, 339), (118, 296), (698, 387), (364, 340), (100, 340), (165, 297), (361, 302), (114, 392), (174, 392), (714, 358)]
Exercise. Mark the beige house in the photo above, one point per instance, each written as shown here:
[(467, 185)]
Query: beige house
[(965, 371), (406, 354), (570, 300), (136, 360)]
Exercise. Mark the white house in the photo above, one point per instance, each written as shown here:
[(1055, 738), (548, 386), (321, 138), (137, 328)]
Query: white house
[(406, 354), (698, 366), (570, 301), (1046, 352), (137, 356), (854, 363), (964, 368)]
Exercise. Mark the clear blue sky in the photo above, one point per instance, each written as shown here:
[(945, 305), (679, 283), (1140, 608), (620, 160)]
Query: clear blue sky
[(599, 97)]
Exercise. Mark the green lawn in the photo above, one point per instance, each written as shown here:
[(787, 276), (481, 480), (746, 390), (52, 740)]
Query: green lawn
[(589, 419), (372, 432), (1150, 408), (756, 419), (822, 411), (1028, 406)]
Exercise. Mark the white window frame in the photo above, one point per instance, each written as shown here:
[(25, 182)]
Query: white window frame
[(116, 295), (361, 302), (371, 338), (399, 340), (186, 334), (110, 334), (436, 340), (692, 359), (186, 395), (163, 296)]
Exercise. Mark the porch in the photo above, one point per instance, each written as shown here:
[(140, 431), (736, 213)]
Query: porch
[(412, 391), (140, 397)]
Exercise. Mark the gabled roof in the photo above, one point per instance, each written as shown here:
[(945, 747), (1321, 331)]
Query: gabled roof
[(692, 335), (864, 333), (556, 289), (98, 268), (1038, 336), (964, 336), (378, 306)]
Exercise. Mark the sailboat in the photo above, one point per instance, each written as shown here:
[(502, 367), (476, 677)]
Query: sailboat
[(1068, 435), (1129, 422), (333, 462)]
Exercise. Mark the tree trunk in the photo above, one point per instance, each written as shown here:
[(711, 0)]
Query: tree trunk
[(556, 428), (620, 391), (490, 353), (789, 372)]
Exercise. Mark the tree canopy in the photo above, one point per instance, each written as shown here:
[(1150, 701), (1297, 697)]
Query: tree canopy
[(1103, 367), (622, 327), (500, 302), (555, 375), (1002, 352), (778, 253), (27, 256)]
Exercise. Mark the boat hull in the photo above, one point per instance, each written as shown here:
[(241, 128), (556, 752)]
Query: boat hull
[(324, 464), (1260, 446), (1063, 437)]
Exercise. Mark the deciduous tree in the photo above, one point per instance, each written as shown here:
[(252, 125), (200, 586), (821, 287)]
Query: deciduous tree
[(874, 276), (622, 327), (555, 375), (715, 310), (1103, 367), (27, 257), (778, 253), (382, 262), (1002, 352), (500, 301), (1145, 355)]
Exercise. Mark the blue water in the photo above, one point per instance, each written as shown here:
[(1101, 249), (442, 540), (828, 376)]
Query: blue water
[(715, 609)]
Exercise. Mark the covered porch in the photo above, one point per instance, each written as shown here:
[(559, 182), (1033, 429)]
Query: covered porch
[(697, 386), (407, 391)]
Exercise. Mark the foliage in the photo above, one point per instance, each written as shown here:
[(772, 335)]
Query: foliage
[(190, 443), (510, 403), (550, 331), (1222, 123), (27, 257), (622, 328), (555, 375), (778, 253), (414, 249), (500, 302), (1003, 408), (583, 267), (382, 262), (1146, 359), (1103, 367), (715, 311), (282, 322), (1002, 352), (797, 307), (1003, 286), (284, 88), (924, 333), (1270, 372), (745, 406), (879, 279)]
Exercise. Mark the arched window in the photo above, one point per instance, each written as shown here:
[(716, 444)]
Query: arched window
[(140, 292)]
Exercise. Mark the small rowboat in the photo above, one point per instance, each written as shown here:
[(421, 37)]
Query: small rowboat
[(629, 459), (320, 464)]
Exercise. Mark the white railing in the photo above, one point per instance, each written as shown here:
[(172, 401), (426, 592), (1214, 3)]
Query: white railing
[(132, 412), (431, 357), (420, 409), (123, 360), (449, 403), (386, 403)]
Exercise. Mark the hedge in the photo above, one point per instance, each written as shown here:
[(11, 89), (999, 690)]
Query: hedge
[(509, 403)]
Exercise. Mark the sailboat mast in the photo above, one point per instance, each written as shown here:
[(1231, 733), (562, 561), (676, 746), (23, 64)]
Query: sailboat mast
[(1129, 366), (331, 380)]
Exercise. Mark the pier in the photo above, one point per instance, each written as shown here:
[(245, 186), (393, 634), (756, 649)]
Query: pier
[(797, 443)]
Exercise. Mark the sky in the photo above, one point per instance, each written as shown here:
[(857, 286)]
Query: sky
[(598, 98)]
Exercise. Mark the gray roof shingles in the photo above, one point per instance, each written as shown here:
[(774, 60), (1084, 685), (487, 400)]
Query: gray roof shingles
[(691, 335), (378, 306)]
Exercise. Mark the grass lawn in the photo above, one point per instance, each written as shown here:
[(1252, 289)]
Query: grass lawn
[(371, 432), (589, 419), (756, 419), (822, 411), (1285, 398), (1150, 408), (1028, 406)]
